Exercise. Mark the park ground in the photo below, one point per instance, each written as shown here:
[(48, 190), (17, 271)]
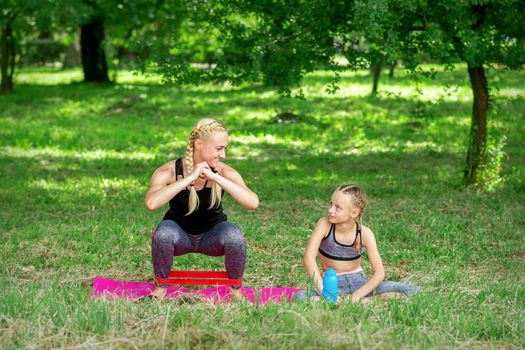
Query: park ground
[(75, 161)]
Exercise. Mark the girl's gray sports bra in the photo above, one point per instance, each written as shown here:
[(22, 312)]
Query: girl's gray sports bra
[(334, 250)]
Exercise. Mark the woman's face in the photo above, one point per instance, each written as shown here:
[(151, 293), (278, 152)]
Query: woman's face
[(213, 149), (341, 209)]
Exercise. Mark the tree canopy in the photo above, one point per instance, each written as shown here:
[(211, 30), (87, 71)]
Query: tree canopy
[(278, 42)]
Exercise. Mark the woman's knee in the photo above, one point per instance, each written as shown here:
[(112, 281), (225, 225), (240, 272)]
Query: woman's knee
[(232, 235), (167, 232)]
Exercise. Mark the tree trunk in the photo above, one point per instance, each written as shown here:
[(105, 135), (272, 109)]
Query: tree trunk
[(376, 72), (478, 129), (391, 70), (13, 61), (7, 57), (92, 52)]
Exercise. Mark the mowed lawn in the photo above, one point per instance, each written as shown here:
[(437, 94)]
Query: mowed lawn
[(75, 163)]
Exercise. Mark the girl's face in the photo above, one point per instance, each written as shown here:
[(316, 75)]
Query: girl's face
[(341, 209), (213, 149)]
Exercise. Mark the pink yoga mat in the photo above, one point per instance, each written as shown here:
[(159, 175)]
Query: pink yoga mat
[(111, 289)]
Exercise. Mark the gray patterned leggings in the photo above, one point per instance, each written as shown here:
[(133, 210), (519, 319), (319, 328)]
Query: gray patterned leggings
[(225, 238)]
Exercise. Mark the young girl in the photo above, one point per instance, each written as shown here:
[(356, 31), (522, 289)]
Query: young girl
[(195, 222), (340, 238)]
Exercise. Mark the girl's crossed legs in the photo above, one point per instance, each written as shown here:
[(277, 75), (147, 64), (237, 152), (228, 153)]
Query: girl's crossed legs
[(352, 281)]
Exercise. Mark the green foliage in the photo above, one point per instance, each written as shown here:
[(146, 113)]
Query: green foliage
[(127, 24), (256, 41), (472, 32), (25, 18)]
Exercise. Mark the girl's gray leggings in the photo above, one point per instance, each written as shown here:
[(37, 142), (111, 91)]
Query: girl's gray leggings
[(225, 238), (352, 281)]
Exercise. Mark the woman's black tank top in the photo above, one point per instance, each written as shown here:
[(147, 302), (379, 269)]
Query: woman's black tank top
[(202, 219)]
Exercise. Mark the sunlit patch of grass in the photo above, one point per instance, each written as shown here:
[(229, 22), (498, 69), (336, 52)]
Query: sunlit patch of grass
[(48, 76), (87, 155)]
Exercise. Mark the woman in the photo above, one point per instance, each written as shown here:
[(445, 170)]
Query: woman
[(195, 221)]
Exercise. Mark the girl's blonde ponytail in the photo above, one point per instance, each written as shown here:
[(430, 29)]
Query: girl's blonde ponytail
[(359, 200)]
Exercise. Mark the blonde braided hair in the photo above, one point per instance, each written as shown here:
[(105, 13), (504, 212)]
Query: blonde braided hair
[(202, 131), (358, 199)]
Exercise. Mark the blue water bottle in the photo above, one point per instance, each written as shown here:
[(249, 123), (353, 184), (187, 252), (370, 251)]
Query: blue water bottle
[(330, 285)]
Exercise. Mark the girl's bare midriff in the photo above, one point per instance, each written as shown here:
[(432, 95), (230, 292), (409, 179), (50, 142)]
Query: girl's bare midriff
[(340, 266)]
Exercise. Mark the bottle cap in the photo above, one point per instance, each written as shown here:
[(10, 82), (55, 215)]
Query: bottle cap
[(330, 271)]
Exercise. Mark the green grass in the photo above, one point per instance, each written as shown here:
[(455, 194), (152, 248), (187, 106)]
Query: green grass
[(75, 161)]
